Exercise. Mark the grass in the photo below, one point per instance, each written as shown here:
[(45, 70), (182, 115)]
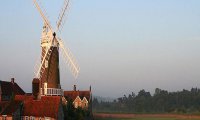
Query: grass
[(106, 116), (143, 119)]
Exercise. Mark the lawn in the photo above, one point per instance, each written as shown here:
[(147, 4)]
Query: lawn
[(143, 119)]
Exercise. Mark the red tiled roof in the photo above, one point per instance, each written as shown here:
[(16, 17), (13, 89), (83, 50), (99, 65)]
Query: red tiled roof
[(7, 88), (22, 97), (47, 106), (73, 94)]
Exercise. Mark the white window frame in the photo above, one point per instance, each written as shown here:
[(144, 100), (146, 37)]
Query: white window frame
[(32, 118), (26, 118), (46, 63), (76, 104), (47, 118), (4, 117)]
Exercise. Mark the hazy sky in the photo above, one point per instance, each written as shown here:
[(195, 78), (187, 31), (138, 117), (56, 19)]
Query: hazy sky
[(121, 45)]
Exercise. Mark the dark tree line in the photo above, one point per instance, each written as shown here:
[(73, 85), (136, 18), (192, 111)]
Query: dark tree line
[(162, 101)]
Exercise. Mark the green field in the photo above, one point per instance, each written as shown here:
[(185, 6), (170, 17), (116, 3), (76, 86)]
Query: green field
[(144, 119)]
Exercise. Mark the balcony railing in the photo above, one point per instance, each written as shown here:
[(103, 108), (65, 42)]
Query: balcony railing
[(52, 92)]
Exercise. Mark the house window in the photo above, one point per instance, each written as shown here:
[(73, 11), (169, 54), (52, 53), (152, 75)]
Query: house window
[(47, 118), (76, 105), (4, 117), (26, 118), (79, 104), (46, 64), (32, 118)]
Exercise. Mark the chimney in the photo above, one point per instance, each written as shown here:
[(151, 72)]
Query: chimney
[(12, 80), (74, 87), (90, 88), (36, 89)]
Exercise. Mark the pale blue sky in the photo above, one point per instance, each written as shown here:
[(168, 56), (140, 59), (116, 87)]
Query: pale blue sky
[(121, 45)]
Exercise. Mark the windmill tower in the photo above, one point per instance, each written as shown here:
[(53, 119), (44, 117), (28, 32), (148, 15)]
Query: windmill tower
[(50, 75), (47, 70)]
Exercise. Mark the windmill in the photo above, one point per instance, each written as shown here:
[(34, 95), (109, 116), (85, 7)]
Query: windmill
[(47, 69)]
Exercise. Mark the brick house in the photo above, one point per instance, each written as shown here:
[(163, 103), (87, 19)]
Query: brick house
[(80, 99), (25, 107), (17, 105)]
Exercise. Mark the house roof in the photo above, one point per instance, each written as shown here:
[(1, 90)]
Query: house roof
[(85, 100), (73, 94), (47, 106), (23, 97), (7, 88)]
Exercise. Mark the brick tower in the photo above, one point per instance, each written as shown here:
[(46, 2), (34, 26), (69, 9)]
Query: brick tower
[(50, 75)]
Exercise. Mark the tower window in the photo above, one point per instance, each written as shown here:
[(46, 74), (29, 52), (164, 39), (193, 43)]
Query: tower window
[(46, 64)]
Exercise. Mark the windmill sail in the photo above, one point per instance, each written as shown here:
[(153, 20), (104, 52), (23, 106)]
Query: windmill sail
[(69, 59)]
